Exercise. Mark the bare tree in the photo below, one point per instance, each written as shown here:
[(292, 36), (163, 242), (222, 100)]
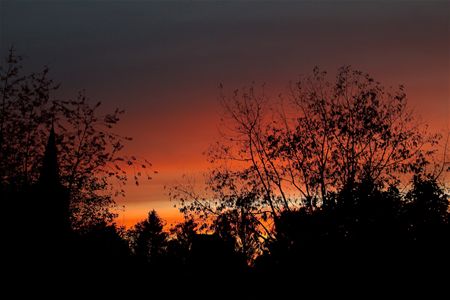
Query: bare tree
[(345, 131), (277, 156)]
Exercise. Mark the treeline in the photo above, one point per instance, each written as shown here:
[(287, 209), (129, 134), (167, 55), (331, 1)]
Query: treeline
[(366, 228), (334, 182), (369, 237)]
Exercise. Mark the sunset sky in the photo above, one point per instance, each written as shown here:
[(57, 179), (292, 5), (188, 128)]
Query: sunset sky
[(163, 62)]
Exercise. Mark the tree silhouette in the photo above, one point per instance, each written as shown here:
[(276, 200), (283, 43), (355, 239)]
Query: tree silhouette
[(239, 229), (323, 166), (148, 240), (228, 209), (345, 131), (25, 121), (90, 154), (426, 211), (180, 245)]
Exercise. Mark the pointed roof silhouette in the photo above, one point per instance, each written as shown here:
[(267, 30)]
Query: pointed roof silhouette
[(50, 171)]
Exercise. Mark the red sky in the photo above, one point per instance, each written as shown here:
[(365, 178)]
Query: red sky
[(163, 61)]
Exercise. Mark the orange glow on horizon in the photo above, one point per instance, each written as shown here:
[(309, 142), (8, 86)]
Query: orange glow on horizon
[(178, 149)]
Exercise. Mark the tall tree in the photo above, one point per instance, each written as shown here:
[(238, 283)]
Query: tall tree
[(148, 240)]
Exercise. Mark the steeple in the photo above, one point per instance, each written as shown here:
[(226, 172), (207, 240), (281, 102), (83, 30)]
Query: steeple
[(54, 204), (50, 172)]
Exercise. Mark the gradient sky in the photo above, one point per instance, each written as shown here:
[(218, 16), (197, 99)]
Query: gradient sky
[(163, 61)]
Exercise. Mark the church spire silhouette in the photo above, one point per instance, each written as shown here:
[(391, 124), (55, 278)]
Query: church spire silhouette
[(50, 171), (55, 200)]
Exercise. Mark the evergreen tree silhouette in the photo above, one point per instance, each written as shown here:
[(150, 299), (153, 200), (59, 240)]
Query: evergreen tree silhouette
[(148, 239)]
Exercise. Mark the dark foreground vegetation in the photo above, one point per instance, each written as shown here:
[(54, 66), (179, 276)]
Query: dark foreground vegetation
[(341, 190)]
